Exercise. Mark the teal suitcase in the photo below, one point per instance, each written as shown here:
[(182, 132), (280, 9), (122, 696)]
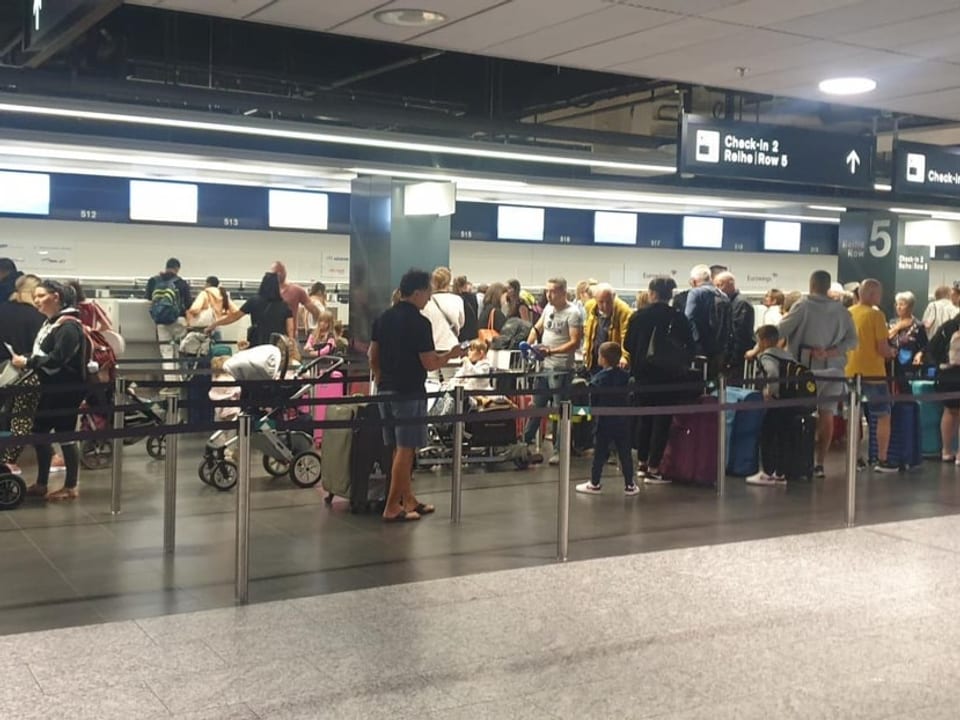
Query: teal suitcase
[(930, 412)]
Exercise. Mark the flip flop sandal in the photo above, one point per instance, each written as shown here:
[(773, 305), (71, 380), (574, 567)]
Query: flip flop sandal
[(402, 516), (422, 509), (63, 494)]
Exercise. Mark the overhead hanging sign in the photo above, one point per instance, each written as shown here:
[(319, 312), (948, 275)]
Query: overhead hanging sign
[(920, 169), (776, 153)]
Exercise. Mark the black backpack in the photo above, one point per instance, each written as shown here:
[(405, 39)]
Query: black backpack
[(514, 331), (666, 351), (720, 342), (796, 381)]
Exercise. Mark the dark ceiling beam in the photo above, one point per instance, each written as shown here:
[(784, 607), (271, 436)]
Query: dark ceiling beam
[(71, 28)]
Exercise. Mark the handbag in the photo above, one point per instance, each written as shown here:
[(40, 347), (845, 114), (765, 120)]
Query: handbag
[(488, 333)]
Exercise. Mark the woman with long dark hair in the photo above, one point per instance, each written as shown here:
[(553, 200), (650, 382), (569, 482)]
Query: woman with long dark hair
[(59, 361), (269, 314)]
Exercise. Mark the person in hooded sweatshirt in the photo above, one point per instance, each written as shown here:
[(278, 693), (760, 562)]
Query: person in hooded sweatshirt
[(819, 332), (59, 361)]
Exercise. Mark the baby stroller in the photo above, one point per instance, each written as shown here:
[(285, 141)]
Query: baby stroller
[(98, 454), (285, 452), (13, 489)]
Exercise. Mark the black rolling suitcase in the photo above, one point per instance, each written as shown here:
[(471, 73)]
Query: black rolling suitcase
[(799, 447), (356, 462)]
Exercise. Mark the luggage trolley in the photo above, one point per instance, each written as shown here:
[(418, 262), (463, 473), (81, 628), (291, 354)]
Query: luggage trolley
[(285, 452)]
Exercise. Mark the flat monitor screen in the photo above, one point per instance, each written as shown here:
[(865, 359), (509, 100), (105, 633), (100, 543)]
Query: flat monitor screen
[(781, 236), (702, 232), (24, 193), (615, 228), (295, 210), (519, 223), (152, 201)]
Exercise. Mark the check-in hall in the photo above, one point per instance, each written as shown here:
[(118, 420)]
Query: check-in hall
[(525, 359)]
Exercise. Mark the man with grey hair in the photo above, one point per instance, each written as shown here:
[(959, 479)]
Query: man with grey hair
[(742, 321), (939, 311), (557, 334), (607, 318), (710, 315)]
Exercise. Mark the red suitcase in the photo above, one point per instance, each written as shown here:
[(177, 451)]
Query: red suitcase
[(691, 454)]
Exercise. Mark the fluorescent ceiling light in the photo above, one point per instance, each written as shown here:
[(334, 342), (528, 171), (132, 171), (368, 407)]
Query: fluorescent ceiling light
[(882, 187), (911, 211), (410, 18), (780, 216), (465, 183), (828, 208), (333, 138), (847, 86)]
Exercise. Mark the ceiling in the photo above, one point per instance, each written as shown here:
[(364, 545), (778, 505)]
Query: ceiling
[(785, 47)]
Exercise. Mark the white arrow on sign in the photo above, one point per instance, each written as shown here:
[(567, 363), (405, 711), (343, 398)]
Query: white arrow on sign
[(853, 160)]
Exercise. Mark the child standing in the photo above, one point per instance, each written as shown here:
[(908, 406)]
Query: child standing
[(611, 429), (774, 434), (323, 340)]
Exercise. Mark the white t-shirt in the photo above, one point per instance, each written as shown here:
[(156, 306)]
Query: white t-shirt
[(556, 332), (445, 313), (937, 313)]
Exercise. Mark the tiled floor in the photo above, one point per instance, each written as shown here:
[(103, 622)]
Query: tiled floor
[(839, 624), (71, 564)]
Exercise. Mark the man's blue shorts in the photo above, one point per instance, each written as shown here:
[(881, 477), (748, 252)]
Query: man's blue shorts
[(405, 436)]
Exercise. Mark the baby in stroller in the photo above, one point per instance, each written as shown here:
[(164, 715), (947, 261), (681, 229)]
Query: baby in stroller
[(285, 451)]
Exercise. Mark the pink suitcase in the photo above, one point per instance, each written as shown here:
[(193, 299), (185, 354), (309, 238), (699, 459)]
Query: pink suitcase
[(325, 390)]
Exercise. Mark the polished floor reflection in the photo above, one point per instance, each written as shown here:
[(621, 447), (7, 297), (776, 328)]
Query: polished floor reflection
[(845, 624), (74, 563)]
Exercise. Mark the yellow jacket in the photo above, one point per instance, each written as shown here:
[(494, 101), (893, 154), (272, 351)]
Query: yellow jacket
[(618, 328)]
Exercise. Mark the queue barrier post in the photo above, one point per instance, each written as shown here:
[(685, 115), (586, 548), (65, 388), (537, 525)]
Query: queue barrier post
[(171, 443), (853, 446), (722, 439), (456, 488), (242, 573), (565, 432), (116, 471)]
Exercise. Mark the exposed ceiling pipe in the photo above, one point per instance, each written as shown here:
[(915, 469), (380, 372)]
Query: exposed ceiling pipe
[(653, 97), (400, 64)]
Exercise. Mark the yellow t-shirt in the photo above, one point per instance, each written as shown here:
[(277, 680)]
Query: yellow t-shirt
[(871, 326)]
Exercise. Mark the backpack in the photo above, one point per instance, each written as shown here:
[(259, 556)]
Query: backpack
[(666, 351), (165, 301), (514, 331), (953, 353), (721, 326), (796, 381), (94, 350)]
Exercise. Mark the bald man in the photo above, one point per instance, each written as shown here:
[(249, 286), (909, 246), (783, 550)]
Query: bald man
[(607, 318), (743, 323)]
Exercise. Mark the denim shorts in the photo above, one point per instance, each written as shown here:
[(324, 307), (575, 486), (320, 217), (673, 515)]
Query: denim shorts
[(404, 436), (877, 396)]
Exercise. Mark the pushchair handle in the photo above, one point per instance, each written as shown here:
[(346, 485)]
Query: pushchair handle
[(335, 362)]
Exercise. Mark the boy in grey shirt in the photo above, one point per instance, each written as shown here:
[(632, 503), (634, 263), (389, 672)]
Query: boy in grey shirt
[(560, 327)]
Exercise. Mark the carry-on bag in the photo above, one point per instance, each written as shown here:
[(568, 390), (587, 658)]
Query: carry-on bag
[(799, 445), (351, 456), (930, 414), (691, 454), (743, 433), (326, 391)]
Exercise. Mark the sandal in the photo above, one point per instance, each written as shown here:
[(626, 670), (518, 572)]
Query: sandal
[(948, 458), (422, 509), (37, 490), (402, 516), (64, 493)]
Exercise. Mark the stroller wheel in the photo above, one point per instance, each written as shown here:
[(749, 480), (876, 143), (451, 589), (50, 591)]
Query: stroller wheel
[(275, 467), (12, 491), (96, 454), (157, 446), (205, 471), (305, 469), (225, 475)]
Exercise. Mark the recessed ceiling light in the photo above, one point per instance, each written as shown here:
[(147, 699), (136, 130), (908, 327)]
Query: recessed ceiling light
[(410, 17), (847, 86)]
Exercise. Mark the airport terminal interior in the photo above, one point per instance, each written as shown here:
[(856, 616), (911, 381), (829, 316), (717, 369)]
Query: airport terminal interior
[(622, 146)]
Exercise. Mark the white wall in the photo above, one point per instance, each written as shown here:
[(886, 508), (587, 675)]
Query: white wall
[(628, 268), (109, 250)]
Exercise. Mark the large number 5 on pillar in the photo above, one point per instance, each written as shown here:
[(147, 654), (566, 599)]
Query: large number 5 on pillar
[(880, 241)]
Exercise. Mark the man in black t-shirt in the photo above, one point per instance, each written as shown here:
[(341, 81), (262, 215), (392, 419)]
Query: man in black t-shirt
[(401, 354)]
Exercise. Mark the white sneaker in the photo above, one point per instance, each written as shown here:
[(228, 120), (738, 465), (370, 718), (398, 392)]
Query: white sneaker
[(761, 478), (555, 459), (588, 488), (631, 489), (781, 479), (654, 477)]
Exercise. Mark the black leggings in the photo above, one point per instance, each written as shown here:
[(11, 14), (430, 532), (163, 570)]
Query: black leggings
[(57, 412)]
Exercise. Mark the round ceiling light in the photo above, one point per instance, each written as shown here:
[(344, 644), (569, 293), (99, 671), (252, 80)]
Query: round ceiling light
[(847, 86), (410, 18)]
